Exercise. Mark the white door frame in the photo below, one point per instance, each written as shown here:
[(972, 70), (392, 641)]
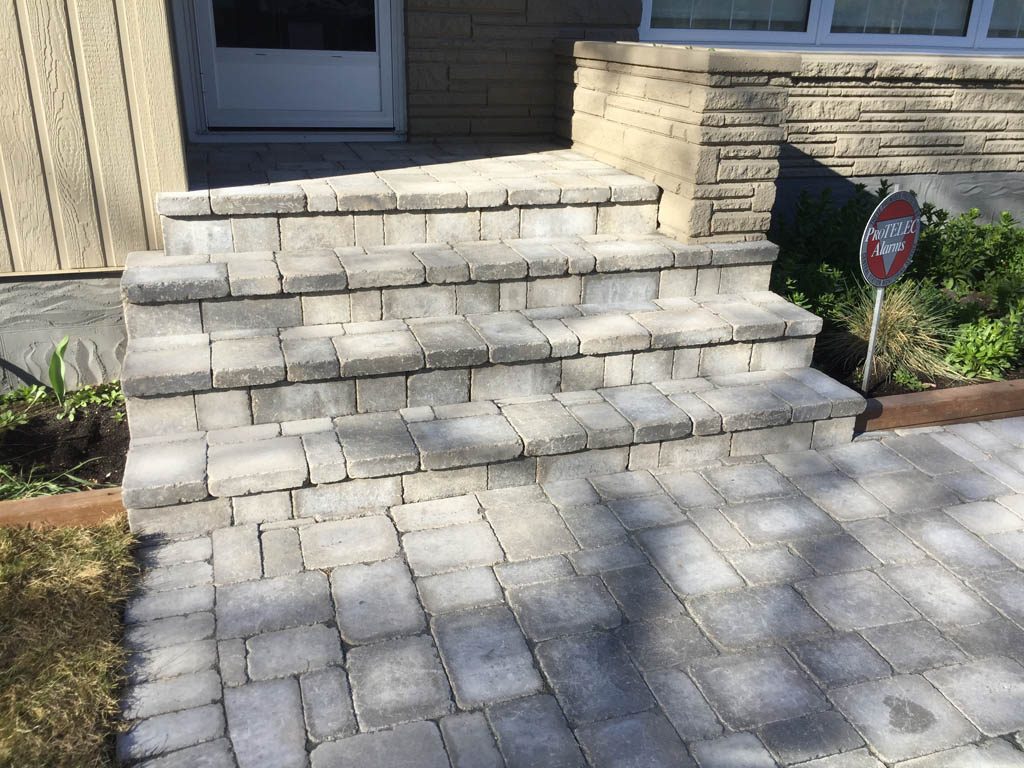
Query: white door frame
[(187, 45)]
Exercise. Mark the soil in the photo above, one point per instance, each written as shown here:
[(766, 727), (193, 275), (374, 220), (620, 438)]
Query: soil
[(892, 388), (54, 446)]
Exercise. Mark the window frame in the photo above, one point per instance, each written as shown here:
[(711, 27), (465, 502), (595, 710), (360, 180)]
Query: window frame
[(819, 35)]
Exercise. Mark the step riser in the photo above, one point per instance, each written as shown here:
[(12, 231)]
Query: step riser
[(215, 315), (296, 401), (356, 497), (300, 231)]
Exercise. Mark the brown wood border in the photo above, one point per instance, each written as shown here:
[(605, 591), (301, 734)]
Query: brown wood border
[(994, 400), (66, 509)]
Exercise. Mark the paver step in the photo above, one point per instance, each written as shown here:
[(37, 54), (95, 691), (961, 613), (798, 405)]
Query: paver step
[(203, 293), (331, 465), (338, 369), (438, 199)]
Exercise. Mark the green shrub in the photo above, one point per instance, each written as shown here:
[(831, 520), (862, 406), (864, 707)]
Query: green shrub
[(987, 348)]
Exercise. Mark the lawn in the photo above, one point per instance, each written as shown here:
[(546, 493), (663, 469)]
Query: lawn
[(61, 596)]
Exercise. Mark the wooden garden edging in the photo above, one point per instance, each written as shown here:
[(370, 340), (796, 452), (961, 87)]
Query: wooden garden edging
[(976, 402), (81, 508)]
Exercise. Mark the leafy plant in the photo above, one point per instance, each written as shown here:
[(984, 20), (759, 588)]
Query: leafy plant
[(987, 348), (81, 400), (18, 485), (57, 370), (913, 335), (907, 380)]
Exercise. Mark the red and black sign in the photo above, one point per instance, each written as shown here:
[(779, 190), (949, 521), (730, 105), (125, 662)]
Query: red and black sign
[(890, 239)]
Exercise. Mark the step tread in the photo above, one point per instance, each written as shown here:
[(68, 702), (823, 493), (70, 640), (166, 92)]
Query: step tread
[(416, 179), (273, 457), (150, 277), (163, 365)]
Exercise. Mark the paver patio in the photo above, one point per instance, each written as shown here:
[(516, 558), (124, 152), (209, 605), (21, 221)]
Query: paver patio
[(846, 608)]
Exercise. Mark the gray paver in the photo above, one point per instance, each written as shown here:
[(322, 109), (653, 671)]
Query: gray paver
[(951, 544), (376, 444), (913, 647), (646, 512), (757, 688), (663, 643), (412, 745), (903, 717), (172, 694), (292, 651), (756, 616), (687, 560), (533, 732), (835, 554), (988, 691), (343, 542), (327, 704), (937, 594), (841, 660), (461, 442), (271, 604), (485, 656), (813, 736), (173, 731), (779, 520), (642, 739), (266, 725), (447, 549), (376, 601), (530, 531), (398, 681), (733, 750), (470, 742), (856, 600), (562, 607), (460, 590), (748, 482), (592, 677), (683, 704)]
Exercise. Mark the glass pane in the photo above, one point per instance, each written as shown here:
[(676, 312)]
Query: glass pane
[(304, 25), (743, 15), (902, 17), (1007, 19)]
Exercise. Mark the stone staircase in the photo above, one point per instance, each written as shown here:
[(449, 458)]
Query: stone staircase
[(319, 349)]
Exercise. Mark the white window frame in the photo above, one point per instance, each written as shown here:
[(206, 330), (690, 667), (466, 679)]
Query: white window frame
[(819, 35)]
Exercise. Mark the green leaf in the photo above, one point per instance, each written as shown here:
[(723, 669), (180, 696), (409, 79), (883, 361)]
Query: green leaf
[(57, 370)]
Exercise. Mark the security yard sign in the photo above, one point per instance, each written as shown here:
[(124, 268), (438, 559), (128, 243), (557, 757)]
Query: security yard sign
[(886, 250), (890, 239)]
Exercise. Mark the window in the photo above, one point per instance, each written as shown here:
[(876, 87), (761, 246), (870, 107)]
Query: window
[(1007, 19), (901, 17), (940, 25), (774, 15)]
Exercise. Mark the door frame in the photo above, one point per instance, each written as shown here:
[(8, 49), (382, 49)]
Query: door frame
[(187, 46)]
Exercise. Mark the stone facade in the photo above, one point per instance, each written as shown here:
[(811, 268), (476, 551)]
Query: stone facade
[(721, 131), (486, 67)]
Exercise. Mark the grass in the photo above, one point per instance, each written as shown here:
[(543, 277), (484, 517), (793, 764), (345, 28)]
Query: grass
[(30, 485), (61, 593)]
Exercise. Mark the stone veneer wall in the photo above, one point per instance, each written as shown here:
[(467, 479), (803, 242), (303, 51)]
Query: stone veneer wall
[(868, 116), (704, 125), (720, 131), (485, 68)]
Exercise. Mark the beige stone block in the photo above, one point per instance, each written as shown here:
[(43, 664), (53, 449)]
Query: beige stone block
[(554, 221), (369, 230), (685, 217), (453, 227), (632, 219)]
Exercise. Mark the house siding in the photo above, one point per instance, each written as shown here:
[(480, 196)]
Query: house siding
[(89, 131)]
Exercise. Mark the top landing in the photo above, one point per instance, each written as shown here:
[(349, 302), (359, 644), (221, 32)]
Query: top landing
[(230, 179)]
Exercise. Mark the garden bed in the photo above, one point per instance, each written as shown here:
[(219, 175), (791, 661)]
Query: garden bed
[(48, 448), (955, 319)]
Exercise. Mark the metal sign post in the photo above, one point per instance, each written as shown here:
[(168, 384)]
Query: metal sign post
[(886, 250)]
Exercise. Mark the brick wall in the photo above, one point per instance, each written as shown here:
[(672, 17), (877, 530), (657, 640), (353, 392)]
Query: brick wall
[(895, 115), (485, 68)]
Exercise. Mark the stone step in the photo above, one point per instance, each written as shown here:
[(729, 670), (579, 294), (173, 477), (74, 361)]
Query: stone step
[(325, 468), (438, 199), (233, 378), (202, 293)]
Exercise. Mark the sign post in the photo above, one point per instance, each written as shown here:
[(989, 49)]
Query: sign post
[(886, 250)]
